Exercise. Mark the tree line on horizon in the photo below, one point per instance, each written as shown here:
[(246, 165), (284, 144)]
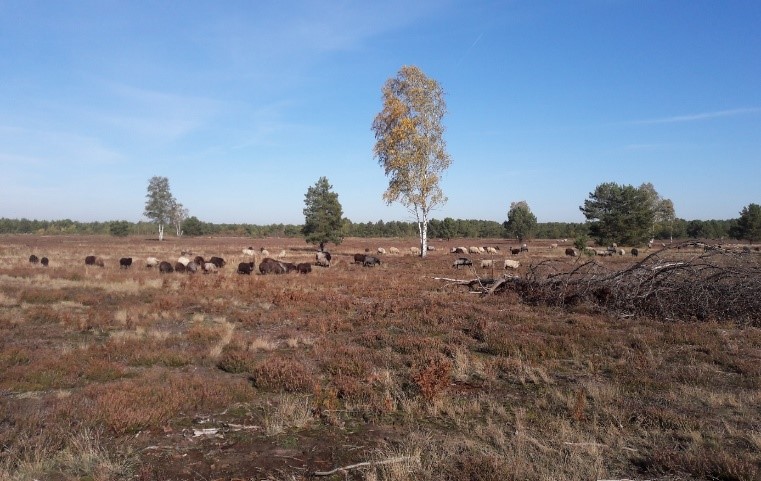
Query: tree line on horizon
[(447, 228)]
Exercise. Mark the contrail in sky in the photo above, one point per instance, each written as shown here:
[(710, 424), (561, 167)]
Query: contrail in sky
[(700, 116), (469, 49)]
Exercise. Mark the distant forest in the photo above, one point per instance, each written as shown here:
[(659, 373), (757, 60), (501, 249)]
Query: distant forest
[(437, 229)]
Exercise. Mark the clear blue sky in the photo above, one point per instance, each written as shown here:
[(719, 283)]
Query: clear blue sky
[(244, 104)]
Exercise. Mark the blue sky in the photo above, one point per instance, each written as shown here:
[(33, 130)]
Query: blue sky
[(244, 104)]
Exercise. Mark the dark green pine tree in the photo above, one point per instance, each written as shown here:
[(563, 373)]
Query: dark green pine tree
[(521, 222), (619, 213), (323, 215), (748, 226)]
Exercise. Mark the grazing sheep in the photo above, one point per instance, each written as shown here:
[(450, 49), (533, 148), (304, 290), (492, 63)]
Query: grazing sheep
[(245, 268), (199, 260), (491, 250), (381, 250), (482, 250), (151, 262), (44, 261), (125, 263), (282, 254), (370, 261), (635, 252), (304, 268), (192, 267), (249, 251), (209, 267), (415, 251), (180, 267), (459, 250), (612, 249), (289, 266), (487, 264), (271, 266), (515, 251), (218, 261), (621, 252), (264, 252), (473, 250), (359, 258), (524, 248), (393, 250), (34, 259), (323, 259), (601, 252), (511, 264), (165, 267), (570, 252), (462, 262), (553, 246), (183, 260), (94, 261), (431, 248)]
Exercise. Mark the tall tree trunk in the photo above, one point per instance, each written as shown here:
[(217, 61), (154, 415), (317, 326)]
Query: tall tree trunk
[(161, 232), (423, 227)]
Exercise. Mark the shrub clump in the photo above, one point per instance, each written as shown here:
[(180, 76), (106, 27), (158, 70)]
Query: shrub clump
[(281, 374)]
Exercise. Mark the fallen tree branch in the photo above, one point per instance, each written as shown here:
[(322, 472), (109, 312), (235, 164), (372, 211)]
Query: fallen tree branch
[(363, 464)]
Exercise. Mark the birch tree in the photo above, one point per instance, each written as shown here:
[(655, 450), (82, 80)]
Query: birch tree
[(177, 215), (159, 203), (410, 144)]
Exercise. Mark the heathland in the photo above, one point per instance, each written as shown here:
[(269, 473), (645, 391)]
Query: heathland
[(391, 372)]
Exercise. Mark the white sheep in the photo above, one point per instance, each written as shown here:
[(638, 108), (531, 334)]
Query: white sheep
[(248, 251), (474, 250), (151, 262), (393, 250), (487, 264), (381, 250), (264, 252), (282, 254), (491, 250), (511, 264), (184, 261), (415, 251)]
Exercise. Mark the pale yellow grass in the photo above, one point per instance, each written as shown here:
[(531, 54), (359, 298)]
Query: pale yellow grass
[(289, 412), (227, 329)]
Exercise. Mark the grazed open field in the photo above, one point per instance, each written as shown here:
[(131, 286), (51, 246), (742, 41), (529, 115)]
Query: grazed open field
[(114, 374)]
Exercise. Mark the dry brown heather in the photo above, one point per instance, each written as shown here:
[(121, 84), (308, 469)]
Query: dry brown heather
[(110, 374)]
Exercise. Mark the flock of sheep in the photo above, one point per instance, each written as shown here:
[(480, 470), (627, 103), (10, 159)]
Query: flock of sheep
[(270, 265)]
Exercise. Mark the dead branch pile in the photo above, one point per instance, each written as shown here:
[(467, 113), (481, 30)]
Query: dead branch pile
[(671, 284)]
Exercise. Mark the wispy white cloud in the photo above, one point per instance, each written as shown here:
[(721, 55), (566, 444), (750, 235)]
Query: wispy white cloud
[(29, 146), (158, 115), (697, 117)]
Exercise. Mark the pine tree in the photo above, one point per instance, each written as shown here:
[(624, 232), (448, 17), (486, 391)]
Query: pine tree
[(521, 222), (323, 215), (748, 226)]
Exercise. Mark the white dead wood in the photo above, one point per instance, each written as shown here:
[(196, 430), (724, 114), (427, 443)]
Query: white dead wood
[(399, 459)]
